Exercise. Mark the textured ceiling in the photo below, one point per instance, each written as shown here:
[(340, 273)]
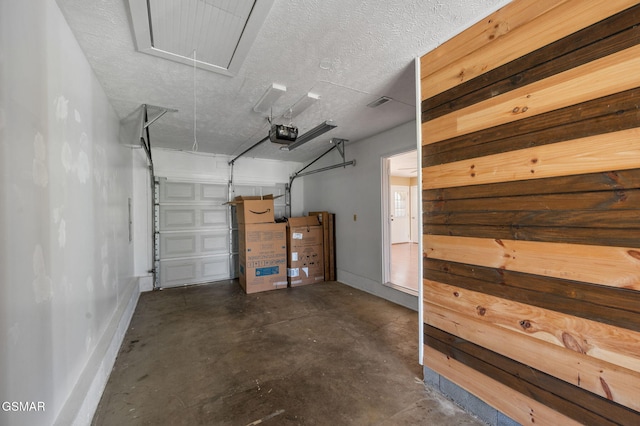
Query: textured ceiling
[(350, 52)]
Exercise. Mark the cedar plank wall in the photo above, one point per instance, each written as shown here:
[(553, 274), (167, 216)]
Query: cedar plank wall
[(531, 201)]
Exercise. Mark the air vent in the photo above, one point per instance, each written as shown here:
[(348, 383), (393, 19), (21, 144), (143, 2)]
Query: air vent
[(381, 100), (220, 32)]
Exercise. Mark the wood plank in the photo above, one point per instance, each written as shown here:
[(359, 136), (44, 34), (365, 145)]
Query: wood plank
[(517, 406), (594, 200), (612, 113), (583, 371), (600, 181), (571, 400), (607, 219), (496, 25), (607, 343), (618, 150), (610, 266), (585, 236), (596, 41), (617, 307), (505, 46), (612, 74)]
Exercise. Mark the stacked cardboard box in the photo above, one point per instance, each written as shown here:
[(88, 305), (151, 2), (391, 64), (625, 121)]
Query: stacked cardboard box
[(328, 227), (305, 257), (262, 245)]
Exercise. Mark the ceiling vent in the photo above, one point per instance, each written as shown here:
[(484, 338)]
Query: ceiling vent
[(215, 34), (380, 101)]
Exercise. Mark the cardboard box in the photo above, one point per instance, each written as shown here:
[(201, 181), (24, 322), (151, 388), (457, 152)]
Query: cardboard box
[(327, 220), (305, 260), (254, 209), (262, 256)]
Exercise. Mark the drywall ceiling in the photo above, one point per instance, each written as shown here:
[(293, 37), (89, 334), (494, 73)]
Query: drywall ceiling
[(350, 52)]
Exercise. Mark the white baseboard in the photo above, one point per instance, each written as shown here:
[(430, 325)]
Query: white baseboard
[(146, 283), (388, 293), (85, 396)]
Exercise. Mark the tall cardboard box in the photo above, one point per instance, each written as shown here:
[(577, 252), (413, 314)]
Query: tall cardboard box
[(254, 209), (305, 260), (262, 256), (328, 220)]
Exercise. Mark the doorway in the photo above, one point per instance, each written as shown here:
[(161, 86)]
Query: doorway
[(400, 221)]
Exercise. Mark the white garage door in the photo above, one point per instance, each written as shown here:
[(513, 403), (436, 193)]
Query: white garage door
[(196, 236)]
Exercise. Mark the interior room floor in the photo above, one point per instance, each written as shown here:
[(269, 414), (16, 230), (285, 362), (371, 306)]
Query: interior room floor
[(324, 354), (405, 260)]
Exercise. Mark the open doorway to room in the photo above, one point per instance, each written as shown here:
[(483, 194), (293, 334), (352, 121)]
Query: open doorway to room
[(400, 221)]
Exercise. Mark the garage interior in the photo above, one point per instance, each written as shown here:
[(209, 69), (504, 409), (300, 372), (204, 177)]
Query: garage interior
[(127, 125)]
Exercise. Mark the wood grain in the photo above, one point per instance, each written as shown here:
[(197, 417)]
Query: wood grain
[(612, 113), (478, 36), (619, 151), (559, 395), (612, 74), (517, 406), (515, 34), (596, 41), (582, 201), (619, 180), (610, 266), (584, 236), (611, 344), (613, 306)]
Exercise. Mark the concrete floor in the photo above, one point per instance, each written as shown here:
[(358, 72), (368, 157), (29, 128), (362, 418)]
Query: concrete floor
[(324, 354)]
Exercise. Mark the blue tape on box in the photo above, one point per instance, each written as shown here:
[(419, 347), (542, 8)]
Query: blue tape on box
[(271, 270)]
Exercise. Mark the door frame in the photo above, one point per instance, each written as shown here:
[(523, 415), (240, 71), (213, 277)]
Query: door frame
[(385, 164)]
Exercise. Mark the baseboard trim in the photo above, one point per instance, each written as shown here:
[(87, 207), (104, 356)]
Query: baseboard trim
[(378, 289), (82, 403)]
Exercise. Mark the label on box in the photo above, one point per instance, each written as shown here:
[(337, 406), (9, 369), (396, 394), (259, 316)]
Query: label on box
[(294, 256), (297, 235), (271, 270), (293, 272)]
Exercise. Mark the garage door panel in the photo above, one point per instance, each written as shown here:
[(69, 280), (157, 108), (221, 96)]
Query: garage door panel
[(215, 243), (181, 272), (215, 268), (194, 244), (213, 193), (214, 217), (177, 245), (178, 192), (178, 272), (173, 217), (177, 218)]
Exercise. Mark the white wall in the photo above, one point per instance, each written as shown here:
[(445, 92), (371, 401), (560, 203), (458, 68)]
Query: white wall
[(358, 191), (66, 263)]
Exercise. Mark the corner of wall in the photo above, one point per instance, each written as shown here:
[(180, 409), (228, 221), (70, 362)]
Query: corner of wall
[(466, 400), (85, 396)]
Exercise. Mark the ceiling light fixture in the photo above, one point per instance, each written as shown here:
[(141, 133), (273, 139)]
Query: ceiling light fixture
[(302, 104), (311, 134), (381, 100), (270, 96)]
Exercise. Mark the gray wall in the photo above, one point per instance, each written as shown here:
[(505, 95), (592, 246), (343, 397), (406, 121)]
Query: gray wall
[(358, 191), (66, 263)]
